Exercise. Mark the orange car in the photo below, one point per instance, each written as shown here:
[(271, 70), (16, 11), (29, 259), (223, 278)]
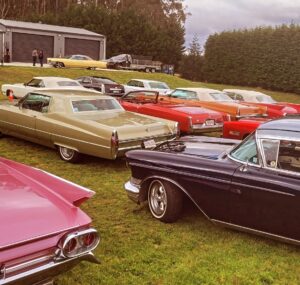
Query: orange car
[(214, 100)]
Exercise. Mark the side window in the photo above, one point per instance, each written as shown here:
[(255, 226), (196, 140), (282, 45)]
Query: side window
[(131, 83), (289, 156), (36, 102), (246, 151), (140, 84), (35, 83), (270, 149)]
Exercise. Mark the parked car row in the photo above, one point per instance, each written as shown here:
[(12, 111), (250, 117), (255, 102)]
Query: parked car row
[(249, 185)]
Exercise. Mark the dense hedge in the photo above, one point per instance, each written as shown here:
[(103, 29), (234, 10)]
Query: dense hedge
[(265, 57)]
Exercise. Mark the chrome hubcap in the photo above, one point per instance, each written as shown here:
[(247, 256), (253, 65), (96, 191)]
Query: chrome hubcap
[(157, 199), (66, 152)]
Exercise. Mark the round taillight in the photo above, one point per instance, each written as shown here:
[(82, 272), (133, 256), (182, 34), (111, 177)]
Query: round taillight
[(71, 245), (89, 239)]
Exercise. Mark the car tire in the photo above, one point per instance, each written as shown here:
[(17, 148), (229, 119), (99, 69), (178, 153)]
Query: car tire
[(165, 201), (153, 70), (147, 69), (60, 65), (68, 154)]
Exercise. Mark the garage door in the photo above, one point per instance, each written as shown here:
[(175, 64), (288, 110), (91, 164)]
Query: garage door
[(23, 44), (85, 47)]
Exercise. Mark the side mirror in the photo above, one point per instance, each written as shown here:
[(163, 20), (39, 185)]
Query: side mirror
[(244, 167)]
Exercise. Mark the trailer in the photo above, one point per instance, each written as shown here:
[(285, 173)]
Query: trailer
[(134, 62)]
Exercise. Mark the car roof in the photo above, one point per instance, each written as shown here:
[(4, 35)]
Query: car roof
[(246, 93), (71, 93), (146, 80), (286, 124), (51, 78), (199, 89)]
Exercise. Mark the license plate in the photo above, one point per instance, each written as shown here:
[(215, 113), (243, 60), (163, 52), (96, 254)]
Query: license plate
[(209, 122), (149, 144)]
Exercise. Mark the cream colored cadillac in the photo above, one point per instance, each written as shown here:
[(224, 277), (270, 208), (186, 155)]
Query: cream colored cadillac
[(82, 124)]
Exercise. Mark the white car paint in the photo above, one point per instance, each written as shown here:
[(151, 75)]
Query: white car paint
[(142, 84)]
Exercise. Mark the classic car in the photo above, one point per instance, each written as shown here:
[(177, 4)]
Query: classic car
[(214, 100), (250, 186), (76, 60), (43, 231), (143, 84), (102, 84), (191, 120), (254, 98), (77, 122), (242, 128), (19, 90)]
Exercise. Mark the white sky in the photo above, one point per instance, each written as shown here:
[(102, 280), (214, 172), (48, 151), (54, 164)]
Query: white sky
[(213, 16)]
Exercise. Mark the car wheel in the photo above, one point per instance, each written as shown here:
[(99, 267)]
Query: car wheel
[(68, 154), (153, 70), (60, 65), (147, 69), (165, 201)]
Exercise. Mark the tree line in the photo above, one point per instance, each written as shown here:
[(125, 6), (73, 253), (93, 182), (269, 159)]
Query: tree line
[(267, 57), (142, 27)]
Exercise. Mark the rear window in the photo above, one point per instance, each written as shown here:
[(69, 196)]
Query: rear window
[(158, 85), (184, 94), (220, 96), (68, 83), (95, 105)]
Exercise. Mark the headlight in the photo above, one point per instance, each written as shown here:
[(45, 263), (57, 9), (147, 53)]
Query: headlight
[(79, 243)]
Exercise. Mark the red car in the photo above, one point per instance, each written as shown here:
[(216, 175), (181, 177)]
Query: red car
[(242, 128), (254, 98), (191, 119), (43, 231)]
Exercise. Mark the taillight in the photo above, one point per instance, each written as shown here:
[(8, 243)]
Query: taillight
[(114, 140), (79, 243)]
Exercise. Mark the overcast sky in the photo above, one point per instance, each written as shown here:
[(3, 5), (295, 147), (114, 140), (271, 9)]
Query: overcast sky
[(213, 16)]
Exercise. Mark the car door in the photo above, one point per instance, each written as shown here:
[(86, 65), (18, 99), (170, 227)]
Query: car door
[(270, 193)]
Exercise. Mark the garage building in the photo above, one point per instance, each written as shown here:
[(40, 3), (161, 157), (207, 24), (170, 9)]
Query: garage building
[(18, 39)]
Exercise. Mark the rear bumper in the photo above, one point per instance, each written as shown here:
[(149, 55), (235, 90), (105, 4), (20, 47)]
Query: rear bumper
[(196, 129), (133, 191), (45, 273)]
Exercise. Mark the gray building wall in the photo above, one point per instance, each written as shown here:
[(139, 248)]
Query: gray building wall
[(58, 36)]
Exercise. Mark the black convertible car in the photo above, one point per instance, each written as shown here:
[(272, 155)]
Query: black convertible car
[(253, 185)]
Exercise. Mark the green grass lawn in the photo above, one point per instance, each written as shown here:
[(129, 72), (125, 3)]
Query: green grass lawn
[(135, 248)]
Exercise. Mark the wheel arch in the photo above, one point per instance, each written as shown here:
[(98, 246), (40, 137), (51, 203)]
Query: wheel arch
[(146, 183)]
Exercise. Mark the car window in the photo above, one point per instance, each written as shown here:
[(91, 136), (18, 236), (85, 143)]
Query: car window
[(104, 80), (68, 83), (36, 102), (158, 85), (270, 150), (140, 84), (184, 94), (36, 83), (132, 83), (220, 96), (95, 105), (289, 156), (246, 151)]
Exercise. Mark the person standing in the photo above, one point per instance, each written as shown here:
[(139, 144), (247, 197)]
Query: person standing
[(34, 56), (41, 57)]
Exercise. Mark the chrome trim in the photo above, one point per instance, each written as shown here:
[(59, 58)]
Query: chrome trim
[(258, 232), (179, 186), (76, 235), (168, 136), (133, 191), (47, 271)]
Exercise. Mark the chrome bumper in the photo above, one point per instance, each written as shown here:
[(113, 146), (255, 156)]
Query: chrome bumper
[(45, 273), (206, 129), (133, 191)]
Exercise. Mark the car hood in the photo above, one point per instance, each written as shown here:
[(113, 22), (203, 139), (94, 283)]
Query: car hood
[(30, 209)]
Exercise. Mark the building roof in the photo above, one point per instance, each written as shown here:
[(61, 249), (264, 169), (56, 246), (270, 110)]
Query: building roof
[(47, 28)]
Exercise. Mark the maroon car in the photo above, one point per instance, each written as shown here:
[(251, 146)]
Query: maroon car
[(102, 84), (43, 231), (191, 119)]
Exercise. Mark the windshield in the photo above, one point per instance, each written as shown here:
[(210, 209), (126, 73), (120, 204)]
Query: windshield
[(95, 105), (265, 99), (158, 85), (68, 83), (105, 80), (246, 151), (184, 94), (220, 96)]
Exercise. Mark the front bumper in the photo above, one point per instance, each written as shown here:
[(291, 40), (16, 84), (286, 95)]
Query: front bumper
[(133, 191), (45, 273)]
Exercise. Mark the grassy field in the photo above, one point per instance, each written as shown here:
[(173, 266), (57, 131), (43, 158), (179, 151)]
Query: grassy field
[(136, 249)]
